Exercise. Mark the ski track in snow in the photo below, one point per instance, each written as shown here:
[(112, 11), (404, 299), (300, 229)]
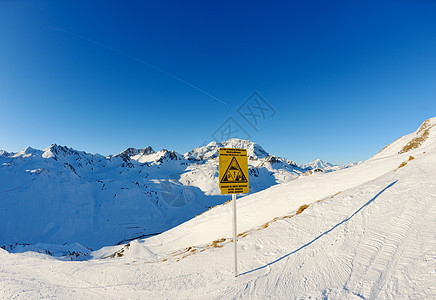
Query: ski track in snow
[(362, 247), (373, 264)]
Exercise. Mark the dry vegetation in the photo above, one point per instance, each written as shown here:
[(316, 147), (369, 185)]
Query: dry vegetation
[(188, 251), (222, 242), (119, 253), (421, 136), (405, 162), (218, 243), (402, 164), (243, 234), (301, 209)]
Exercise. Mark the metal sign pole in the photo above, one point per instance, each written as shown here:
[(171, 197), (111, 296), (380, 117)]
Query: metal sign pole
[(233, 179), (235, 256)]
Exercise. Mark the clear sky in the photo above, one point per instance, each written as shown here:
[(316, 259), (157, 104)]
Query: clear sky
[(339, 79)]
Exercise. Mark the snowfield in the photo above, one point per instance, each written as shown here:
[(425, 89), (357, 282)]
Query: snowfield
[(61, 195), (365, 232)]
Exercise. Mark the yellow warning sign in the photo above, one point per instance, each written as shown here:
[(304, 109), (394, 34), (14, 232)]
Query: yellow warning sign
[(233, 171)]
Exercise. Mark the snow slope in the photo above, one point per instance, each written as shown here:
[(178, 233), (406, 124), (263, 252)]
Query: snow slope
[(259, 208), (368, 233), (61, 195)]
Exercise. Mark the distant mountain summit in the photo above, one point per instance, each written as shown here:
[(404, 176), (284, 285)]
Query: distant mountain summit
[(133, 152), (254, 151), (321, 166)]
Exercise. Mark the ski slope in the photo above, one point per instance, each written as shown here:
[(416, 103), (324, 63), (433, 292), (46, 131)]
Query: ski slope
[(61, 195), (367, 233), (259, 208)]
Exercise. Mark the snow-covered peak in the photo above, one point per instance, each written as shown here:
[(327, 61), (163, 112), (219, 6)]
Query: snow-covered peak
[(325, 166), (254, 151), (420, 140), (28, 152), (56, 151), (138, 153), (50, 152), (168, 155), (148, 155), (318, 164), (3, 153)]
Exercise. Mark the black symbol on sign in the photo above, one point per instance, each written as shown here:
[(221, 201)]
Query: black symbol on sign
[(234, 173)]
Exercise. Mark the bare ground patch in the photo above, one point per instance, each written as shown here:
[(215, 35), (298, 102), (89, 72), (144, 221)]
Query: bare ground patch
[(421, 136)]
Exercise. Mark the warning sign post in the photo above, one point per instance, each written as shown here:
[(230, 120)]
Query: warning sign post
[(233, 171), (233, 179)]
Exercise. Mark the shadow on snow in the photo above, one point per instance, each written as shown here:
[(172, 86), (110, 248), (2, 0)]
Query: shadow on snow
[(321, 235)]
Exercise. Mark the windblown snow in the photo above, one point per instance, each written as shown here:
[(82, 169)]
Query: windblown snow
[(364, 232)]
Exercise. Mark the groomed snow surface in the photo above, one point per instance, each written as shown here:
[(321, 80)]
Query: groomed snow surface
[(368, 233)]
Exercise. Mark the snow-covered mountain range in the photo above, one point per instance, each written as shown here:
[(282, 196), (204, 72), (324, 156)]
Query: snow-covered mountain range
[(365, 232), (322, 166), (61, 195)]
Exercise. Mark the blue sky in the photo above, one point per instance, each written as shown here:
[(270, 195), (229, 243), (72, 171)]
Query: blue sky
[(341, 78)]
